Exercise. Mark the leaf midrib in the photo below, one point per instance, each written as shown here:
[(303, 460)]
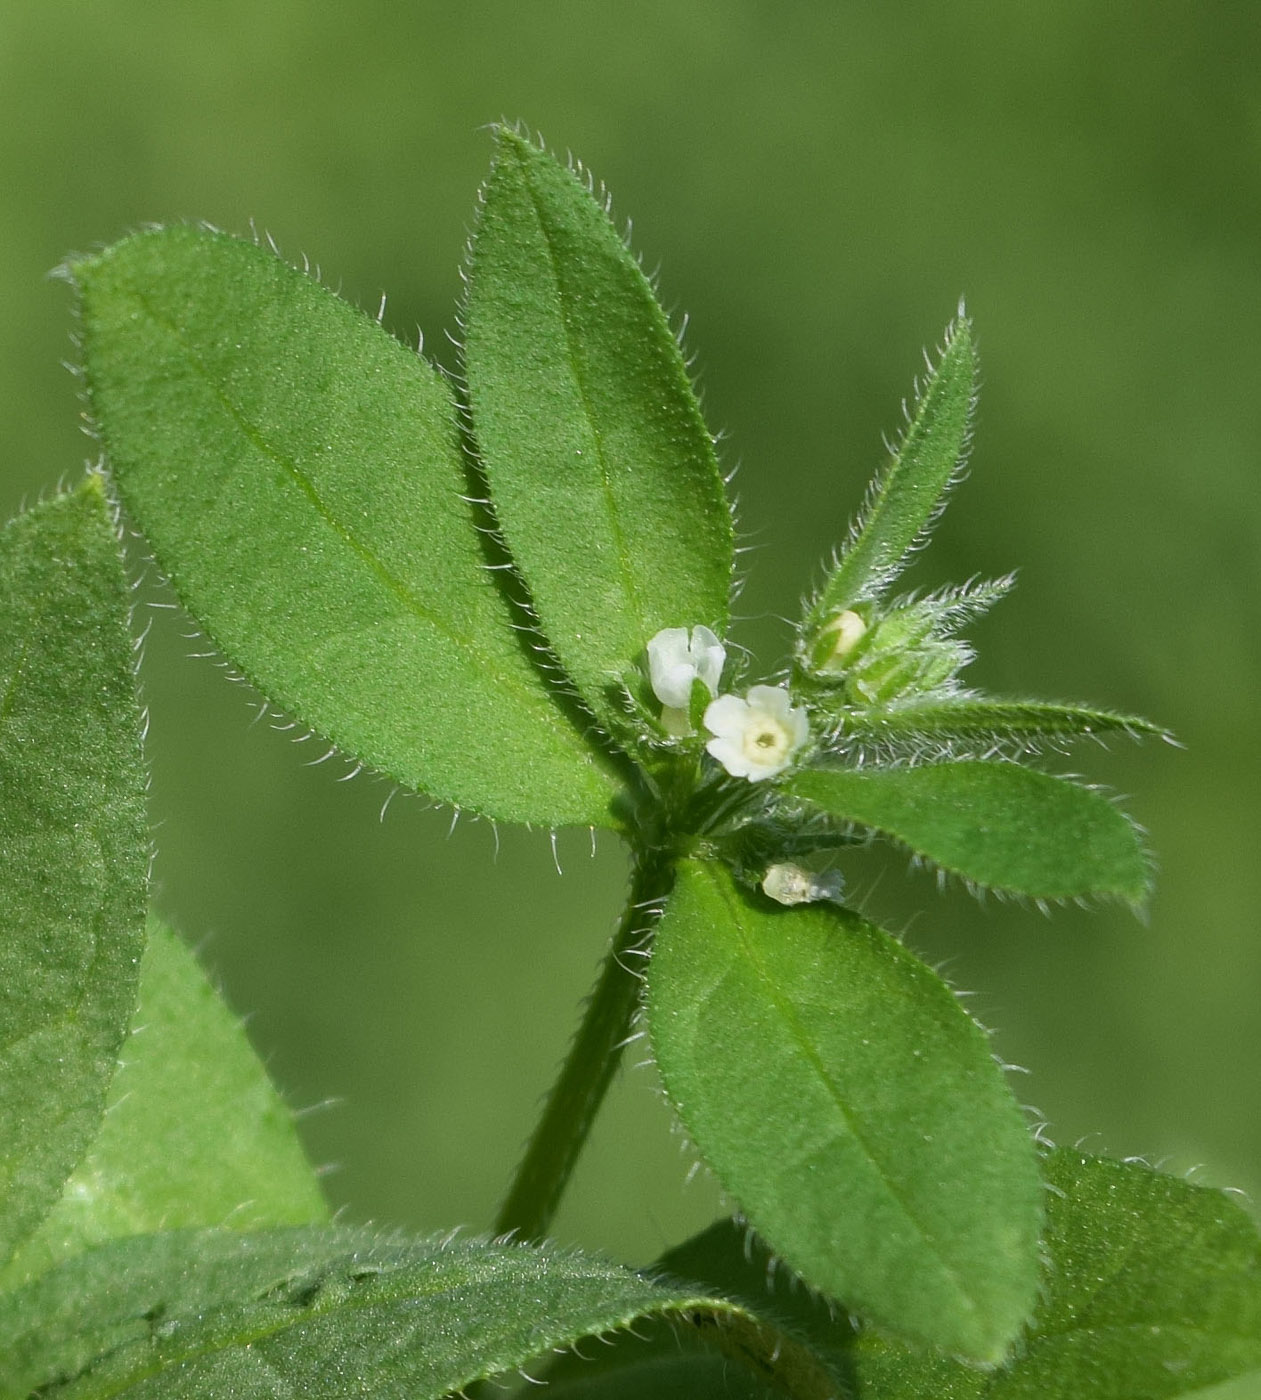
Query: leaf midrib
[(247, 1337), (976, 716), (575, 368), (411, 603), (866, 781), (788, 1014), (867, 554)]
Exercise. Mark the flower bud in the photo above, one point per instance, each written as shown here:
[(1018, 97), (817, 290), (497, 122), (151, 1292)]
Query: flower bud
[(836, 640), (675, 661)]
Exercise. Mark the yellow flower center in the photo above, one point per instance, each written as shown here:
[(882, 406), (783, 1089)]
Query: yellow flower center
[(766, 740)]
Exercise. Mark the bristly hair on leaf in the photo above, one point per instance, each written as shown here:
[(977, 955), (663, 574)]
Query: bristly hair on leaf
[(967, 724), (907, 496), (879, 654)]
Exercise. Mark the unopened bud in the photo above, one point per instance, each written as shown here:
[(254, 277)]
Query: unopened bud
[(837, 639)]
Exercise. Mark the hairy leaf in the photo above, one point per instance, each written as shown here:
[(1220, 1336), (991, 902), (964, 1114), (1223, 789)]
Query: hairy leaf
[(74, 849), (1155, 1288), (659, 1363), (995, 824), (730, 1259), (193, 1134), (976, 721), (843, 1098), (299, 476), (905, 497), (601, 469), (318, 1313), (1151, 1290)]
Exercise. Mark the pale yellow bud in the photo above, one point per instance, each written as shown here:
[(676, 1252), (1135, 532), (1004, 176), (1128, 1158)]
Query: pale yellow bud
[(837, 639)]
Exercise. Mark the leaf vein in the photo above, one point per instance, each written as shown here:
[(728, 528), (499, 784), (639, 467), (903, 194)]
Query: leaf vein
[(799, 1034), (575, 366), (405, 595)]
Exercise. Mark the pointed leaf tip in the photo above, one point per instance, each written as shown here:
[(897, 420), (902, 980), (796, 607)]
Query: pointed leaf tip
[(603, 474), (156, 1165), (299, 476), (907, 495), (969, 725), (328, 1313), (995, 824), (1151, 1287)]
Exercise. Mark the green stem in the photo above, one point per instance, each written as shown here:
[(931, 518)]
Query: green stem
[(589, 1067)]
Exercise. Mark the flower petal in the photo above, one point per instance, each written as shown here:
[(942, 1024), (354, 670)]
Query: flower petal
[(727, 717), (757, 737)]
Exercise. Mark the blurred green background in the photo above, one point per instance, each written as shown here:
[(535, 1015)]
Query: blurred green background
[(819, 184)]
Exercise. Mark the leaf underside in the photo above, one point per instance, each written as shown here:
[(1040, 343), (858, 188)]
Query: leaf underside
[(74, 848), (301, 479), (654, 1364), (298, 474)]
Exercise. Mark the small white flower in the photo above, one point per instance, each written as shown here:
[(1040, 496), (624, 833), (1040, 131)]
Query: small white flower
[(675, 661), (755, 738)]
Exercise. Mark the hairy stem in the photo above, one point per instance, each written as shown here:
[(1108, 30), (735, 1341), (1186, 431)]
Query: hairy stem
[(589, 1067)]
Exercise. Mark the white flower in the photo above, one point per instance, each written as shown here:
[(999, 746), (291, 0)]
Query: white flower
[(755, 738), (674, 663)]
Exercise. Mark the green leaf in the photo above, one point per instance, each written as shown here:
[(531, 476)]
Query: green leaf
[(1155, 1288), (996, 824), (193, 1134), (602, 471), (74, 849), (972, 720), (1151, 1291), (1245, 1387), (906, 496), (730, 1259), (318, 1313), (652, 1364), (298, 474), (842, 1097)]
